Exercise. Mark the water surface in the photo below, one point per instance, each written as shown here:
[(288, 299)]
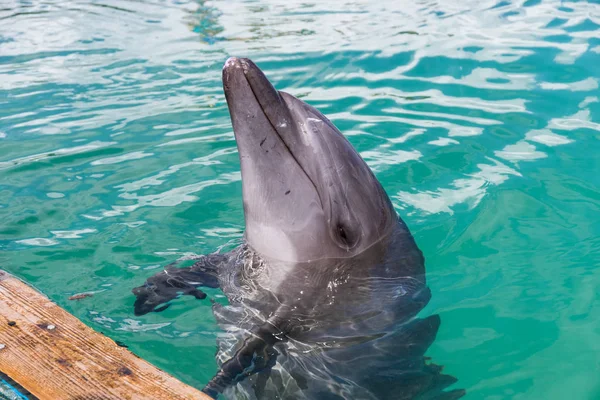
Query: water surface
[(480, 118)]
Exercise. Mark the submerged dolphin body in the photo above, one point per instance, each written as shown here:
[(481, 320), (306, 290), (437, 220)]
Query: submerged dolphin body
[(325, 289)]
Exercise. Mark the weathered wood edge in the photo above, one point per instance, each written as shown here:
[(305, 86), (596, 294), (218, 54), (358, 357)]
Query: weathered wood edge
[(55, 356)]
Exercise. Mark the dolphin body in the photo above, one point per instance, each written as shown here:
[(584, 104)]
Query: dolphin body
[(325, 289)]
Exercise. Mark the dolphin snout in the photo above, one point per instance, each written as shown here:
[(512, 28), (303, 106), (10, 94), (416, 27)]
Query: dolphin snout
[(231, 62), (239, 63)]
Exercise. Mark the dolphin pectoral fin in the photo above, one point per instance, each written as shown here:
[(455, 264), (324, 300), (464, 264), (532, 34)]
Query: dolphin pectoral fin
[(256, 355), (263, 376), (394, 366), (413, 372), (173, 282), (162, 288)]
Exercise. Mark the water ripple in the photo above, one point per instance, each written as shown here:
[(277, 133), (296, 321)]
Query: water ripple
[(480, 118)]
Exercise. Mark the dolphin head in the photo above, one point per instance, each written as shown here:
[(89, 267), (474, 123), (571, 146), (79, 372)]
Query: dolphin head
[(308, 195)]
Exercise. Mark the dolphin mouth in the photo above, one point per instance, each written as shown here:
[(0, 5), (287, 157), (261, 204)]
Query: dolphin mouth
[(241, 74), (271, 103)]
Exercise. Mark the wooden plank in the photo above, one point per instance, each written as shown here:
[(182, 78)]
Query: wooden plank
[(55, 356)]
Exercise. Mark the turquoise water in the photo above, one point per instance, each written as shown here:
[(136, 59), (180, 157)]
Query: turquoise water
[(480, 118)]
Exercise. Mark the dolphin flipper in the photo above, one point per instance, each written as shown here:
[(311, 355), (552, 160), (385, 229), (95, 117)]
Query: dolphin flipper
[(256, 356), (397, 366), (173, 282)]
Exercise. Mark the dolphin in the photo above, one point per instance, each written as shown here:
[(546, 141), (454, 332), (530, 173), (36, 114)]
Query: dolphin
[(325, 289)]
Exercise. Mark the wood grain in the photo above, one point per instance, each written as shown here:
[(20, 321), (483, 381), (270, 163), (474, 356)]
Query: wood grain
[(56, 357)]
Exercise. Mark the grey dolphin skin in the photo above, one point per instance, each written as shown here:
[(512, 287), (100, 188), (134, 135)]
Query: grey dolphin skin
[(325, 289)]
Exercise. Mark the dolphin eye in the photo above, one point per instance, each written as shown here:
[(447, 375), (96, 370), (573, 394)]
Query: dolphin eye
[(345, 237), (342, 233)]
